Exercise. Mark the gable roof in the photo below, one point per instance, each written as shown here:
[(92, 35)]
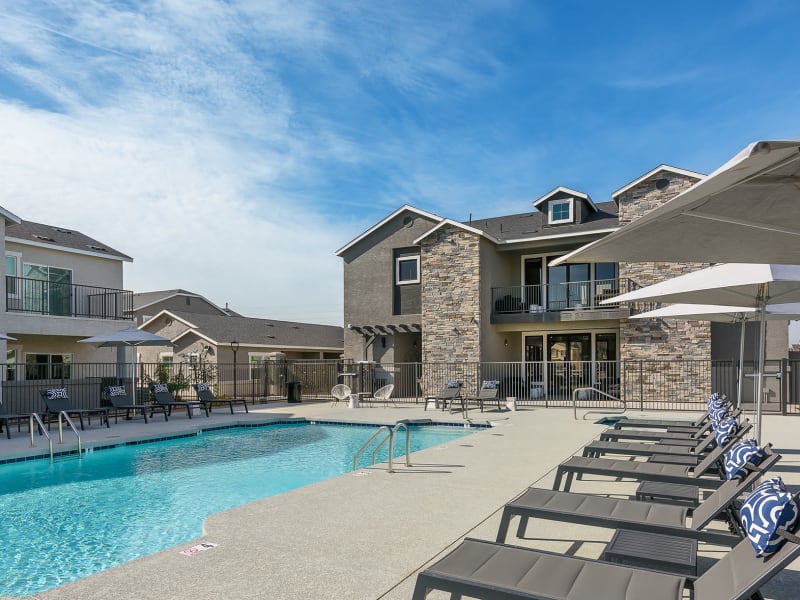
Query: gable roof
[(249, 332), (652, 172), (60, 238), (561, 189), (405, 207), (144, 299), (9, 216), (464, 226)]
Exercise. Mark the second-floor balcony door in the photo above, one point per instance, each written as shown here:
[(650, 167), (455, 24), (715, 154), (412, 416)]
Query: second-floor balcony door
[(533, 283), (47, 290), (568, 286)]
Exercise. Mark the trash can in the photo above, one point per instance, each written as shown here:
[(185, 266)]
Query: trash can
[(294, 391)]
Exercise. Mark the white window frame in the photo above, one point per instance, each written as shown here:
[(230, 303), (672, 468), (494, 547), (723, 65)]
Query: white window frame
[(400, 259), (259, 356), (560, 202), (163, 355), (17, 256)]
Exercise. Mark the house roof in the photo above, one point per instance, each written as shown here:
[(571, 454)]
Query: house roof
[(561, 189), (405, 207), (9, 216), (144, 299), (249, 332), (652, 172), (532, 225), (464, 226), (61, 238)]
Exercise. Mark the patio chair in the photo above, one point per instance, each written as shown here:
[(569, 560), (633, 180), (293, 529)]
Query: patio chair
[(487, 393), (382, 394), (597, 449), (670, 426), (120, 401), (340, 393), (206, 396), (57, 401), (164, 398), (448, 395), (493, 571), (681, 438), (669, 519), (8, 418)]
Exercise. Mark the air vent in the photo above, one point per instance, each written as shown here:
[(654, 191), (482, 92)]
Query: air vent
[(662, 183), (62, 230), (44, 237), (408, 221), (98, 248)]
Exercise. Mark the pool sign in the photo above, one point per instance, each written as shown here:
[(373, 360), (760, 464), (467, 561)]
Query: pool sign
[(199, 548)]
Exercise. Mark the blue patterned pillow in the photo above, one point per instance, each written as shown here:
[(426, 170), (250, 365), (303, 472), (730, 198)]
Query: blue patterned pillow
[(489, 385), (717, 414), (767, 509), (116, 390), (725, 429), (159, 388), (451, 383), (56, 393), (202, 387), (739, 455), (712, 398), (714, 404)]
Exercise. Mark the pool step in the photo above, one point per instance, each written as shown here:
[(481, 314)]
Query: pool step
[(67, 455)]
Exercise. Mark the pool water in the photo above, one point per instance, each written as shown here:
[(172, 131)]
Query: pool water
[(63, 521)]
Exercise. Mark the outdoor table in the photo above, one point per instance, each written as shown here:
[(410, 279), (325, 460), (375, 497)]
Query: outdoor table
[(656, 551)]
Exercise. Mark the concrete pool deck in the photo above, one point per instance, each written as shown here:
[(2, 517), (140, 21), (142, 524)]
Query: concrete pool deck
[(366, 535)]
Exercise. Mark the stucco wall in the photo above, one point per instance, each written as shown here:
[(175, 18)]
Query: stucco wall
[(86, 270)]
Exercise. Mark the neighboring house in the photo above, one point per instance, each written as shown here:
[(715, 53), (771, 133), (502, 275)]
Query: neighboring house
[(60, 286), (203, 336), (148, 304), (422, 288)]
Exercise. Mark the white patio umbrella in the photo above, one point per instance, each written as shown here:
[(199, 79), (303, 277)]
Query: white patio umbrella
[(748, 210), (7, 337), (723, 314), (743, 284), (129, 337)]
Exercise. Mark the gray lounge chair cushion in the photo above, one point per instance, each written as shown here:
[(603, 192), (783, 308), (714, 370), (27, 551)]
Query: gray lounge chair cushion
[(500, 571)]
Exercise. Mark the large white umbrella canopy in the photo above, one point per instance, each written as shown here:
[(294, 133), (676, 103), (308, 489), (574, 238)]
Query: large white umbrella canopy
[(723, 314), (748, 210), (130, 337), (735, 284)]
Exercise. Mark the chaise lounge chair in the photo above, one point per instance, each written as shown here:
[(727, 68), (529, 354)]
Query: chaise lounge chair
[(492, 571), (666, 437), (164, 398), (57, 401), (120, 401), (6, 419), (487, 393), (206, 396), (665, 423), (449, 394), (663, 451), (602, 511)]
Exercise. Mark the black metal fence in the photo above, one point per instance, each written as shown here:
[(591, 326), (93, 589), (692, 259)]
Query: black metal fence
[(67, 300), (645, 385)]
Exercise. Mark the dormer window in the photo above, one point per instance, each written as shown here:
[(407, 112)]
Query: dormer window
[(560, 211)]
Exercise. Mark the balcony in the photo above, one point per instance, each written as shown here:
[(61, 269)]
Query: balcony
[(33, 296), (575, 300)]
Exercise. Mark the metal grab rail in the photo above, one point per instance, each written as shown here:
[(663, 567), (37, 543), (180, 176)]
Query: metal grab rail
[(366, 445), (42, 429), (391, 444), (75, 431), (613, 411)]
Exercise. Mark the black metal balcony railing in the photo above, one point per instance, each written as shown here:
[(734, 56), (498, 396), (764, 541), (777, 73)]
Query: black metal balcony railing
[(555, 297), (67, 300)]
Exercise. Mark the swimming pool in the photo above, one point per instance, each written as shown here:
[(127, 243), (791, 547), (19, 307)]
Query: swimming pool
[(67, 520)]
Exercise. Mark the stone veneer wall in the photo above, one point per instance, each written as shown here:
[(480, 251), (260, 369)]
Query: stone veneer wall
[(450, 266), (654, 340)]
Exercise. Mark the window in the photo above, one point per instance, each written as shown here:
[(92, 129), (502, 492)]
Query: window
[(48, 366), (166, 358), (407, 270), (12, 271), (256, 362), (11, 365), (560, 211), (47, 290)]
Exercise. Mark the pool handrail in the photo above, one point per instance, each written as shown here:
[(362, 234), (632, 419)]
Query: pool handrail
[(64, 414), (396, 427), (614, 411), (40, 423), (367, 443)]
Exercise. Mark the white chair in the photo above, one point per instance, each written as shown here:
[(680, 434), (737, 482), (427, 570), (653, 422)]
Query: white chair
[(340, 392), (383, 394)]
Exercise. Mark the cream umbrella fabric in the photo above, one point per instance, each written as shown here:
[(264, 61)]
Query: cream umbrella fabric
[(748, 210), (733, 284)]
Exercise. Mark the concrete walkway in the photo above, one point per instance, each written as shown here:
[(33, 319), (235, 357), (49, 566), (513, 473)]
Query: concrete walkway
[(366, 536)]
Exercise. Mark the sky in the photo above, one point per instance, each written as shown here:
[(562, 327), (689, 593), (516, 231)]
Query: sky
[(232, 147)]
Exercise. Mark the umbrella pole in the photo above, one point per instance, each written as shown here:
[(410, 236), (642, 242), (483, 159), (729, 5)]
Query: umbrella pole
[(762, 307), (741, 366)]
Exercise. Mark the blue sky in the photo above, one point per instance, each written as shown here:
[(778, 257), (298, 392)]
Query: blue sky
[(232, 147)]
